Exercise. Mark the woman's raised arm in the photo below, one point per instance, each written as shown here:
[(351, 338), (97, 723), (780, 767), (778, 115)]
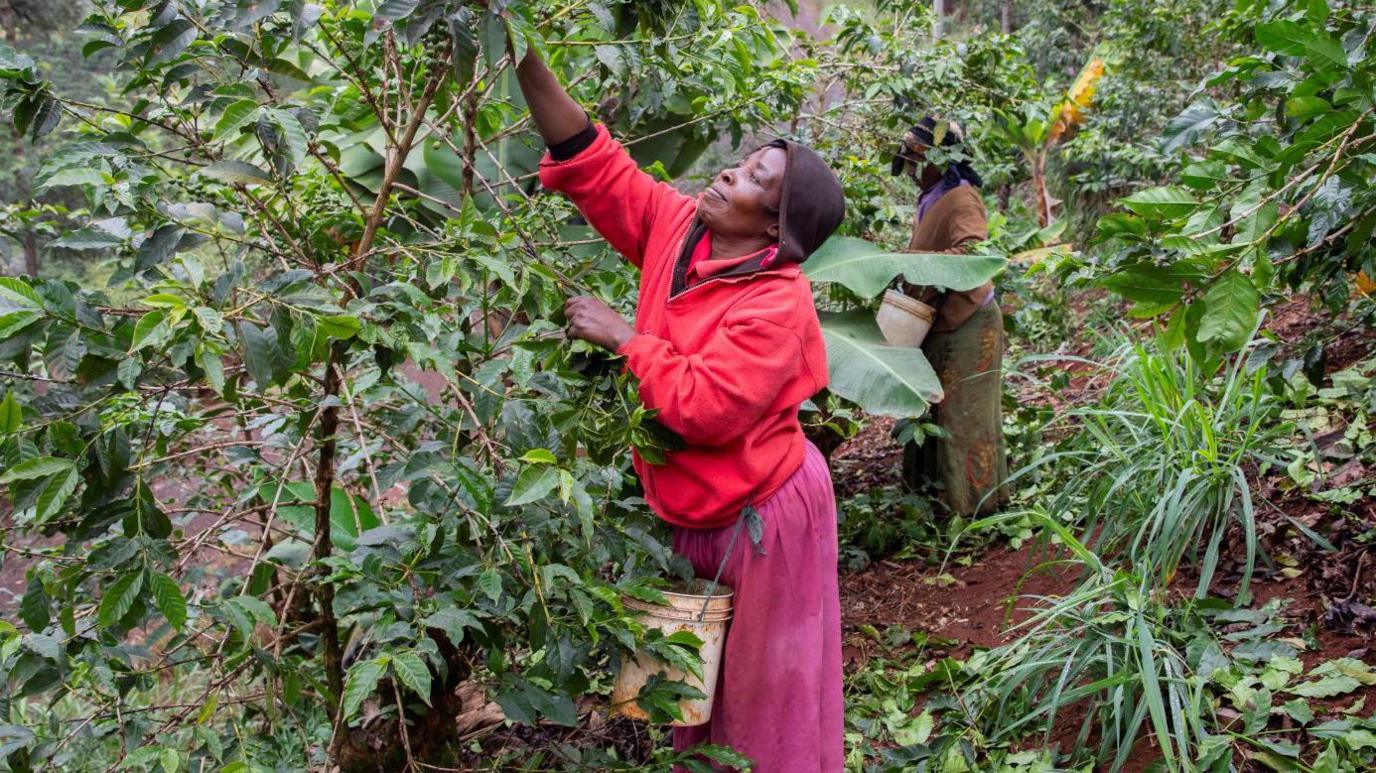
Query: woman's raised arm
[(584, 163), (556, 115)]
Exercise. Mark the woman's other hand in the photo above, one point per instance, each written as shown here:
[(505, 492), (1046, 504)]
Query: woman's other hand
[(592, 320)]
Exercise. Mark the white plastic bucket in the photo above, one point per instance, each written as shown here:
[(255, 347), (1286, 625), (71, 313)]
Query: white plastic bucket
[(682, 613), (904, 321)]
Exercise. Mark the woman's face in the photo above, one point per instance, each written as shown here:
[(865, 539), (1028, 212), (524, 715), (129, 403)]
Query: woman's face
[(743, 201), (916, 156)]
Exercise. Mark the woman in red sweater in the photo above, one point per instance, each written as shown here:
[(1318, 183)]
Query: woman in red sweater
[(726, 345)]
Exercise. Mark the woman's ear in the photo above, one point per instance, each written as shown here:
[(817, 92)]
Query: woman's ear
[(773, 230)]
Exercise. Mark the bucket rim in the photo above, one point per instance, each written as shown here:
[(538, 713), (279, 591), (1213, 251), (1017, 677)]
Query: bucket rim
[(715, 605), (912, 306), (722, 591)]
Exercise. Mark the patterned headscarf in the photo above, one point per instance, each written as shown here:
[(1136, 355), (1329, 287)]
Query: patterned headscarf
[(932, 132)]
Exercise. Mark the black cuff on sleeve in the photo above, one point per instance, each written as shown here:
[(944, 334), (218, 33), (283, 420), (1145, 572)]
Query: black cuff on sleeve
[(566, 149)]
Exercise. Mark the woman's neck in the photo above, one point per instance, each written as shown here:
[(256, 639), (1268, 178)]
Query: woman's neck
[(726, 247)]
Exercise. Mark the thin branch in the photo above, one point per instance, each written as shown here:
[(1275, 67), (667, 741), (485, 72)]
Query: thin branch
[(395, 162)]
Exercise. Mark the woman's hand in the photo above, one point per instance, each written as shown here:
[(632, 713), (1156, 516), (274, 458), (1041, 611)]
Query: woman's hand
[(592, 320)]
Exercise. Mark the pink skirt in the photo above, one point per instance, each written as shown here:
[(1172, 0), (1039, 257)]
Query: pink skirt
[(779, 695)]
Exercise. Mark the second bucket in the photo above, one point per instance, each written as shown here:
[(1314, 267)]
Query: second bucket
[(904, 321)]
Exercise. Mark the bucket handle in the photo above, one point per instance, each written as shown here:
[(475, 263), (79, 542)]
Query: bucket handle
[(712, 586), (748, 513)]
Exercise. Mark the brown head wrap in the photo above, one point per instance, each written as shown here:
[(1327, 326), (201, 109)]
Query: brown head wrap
[(811, 204)]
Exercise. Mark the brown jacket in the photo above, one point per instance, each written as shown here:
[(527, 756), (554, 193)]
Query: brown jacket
[(956, 220)]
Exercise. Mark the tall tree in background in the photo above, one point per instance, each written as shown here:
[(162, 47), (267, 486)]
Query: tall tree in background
[(39, 17), (38, 20)]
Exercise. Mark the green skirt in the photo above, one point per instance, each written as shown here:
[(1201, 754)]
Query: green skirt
[(968, 466)]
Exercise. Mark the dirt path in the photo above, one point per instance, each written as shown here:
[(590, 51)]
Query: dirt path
[(971, 602), (968, 606)]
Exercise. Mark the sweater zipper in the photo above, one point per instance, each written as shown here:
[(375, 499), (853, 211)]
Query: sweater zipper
[(681, 258), (679, 270), (710, 280)]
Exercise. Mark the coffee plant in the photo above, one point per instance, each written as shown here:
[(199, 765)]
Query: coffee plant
[(319, 454), (1273, 189)]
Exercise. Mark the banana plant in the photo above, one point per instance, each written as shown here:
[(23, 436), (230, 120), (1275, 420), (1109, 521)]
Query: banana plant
[(1043, 126), (885, 380)]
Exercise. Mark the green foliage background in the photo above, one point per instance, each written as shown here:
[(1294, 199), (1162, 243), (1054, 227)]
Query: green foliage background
[(291, 436)]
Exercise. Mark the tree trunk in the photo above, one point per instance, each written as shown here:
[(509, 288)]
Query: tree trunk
[(939, 22), (30, 243), (1006, 16), (1039, 189), (8, 19), (470, 141), (324, 592)]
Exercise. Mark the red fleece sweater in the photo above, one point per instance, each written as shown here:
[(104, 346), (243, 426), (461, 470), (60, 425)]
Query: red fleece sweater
[(726, 362)]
